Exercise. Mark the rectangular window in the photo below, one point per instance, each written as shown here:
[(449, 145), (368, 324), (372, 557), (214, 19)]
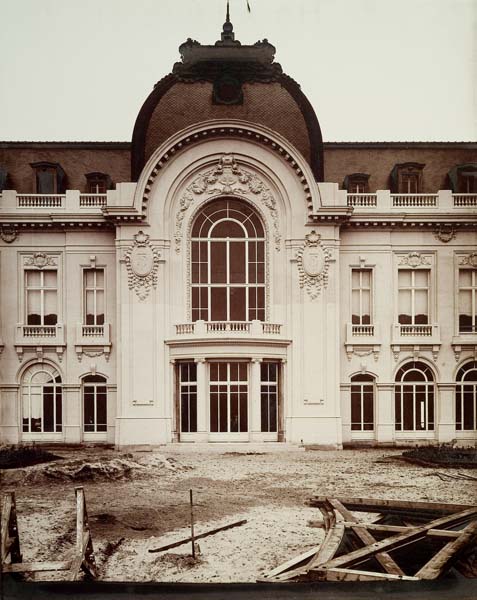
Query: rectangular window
[(93, 301), (95, 407), (361, 296), (188, 396), (467, 301), (413, 296), (409, 183), (269, 374), (362, 404), (228, 397), (41, 297)]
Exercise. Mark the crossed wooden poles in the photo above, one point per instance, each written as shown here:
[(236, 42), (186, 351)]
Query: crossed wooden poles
[(81, 557), (408, 541)]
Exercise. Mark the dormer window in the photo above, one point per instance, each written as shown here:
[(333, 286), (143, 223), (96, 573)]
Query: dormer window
[(97, 183), (463, 179), (356, 183), (49, 178), (406, 178)]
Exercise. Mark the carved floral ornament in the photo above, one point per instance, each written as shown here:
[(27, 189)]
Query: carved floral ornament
[(227, 178), (313, 264), (414, 259), (142, 262), (469, 259), (40, 260)]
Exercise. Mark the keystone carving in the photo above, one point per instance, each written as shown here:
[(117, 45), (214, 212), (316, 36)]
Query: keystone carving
[(227, 178), (313, 264), (142, 262)]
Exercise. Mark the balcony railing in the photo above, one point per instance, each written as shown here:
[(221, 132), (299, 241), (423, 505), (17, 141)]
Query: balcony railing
[(92, 330), (416, 334), (362, 199), (414, 200), (41, 200), (39, 335), (228, 327), (92, 334), (95, 200), (362, 330), (420, 330), (39, 331), (464, 200), (365, 335)]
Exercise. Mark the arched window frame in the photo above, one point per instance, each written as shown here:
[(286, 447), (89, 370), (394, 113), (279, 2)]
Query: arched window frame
[(466, 397), (93, 394), (48, 394), (202, 308), (414, 398)]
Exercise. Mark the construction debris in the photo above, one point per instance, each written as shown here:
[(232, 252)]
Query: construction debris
[(406, 541), (81, 556), (199, 536)]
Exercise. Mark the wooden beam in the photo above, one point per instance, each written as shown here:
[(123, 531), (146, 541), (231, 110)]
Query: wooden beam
[(337, 574), (383, 558), (437, 533), (292, 563), (200, 536), (397, 541), (62, 565), (441, 560)]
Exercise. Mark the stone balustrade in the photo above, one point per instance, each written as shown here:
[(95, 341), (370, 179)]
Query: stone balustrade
[(205, 328), (385, 201)]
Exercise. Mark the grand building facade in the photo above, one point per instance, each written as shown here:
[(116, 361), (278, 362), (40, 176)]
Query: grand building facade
[(228, 276)]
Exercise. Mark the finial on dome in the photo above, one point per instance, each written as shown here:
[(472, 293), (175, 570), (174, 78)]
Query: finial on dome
[(227, 34)]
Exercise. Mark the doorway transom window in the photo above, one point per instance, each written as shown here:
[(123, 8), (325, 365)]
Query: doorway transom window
[(228, 263)]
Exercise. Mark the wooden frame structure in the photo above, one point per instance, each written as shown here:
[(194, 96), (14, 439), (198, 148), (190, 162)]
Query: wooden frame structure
[(407, 541), (80, 558)]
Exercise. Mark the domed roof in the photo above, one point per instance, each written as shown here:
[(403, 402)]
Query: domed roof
[(227, 80)]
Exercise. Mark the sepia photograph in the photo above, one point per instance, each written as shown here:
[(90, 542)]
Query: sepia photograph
[(238, 299)]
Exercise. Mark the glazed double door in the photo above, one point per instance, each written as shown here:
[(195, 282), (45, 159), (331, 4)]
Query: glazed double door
[(228, 401)]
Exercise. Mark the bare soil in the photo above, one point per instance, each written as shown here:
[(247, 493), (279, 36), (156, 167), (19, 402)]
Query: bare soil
[(145, 504)]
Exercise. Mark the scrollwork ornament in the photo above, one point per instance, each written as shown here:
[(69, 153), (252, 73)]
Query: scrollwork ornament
[(8, 234), (40, 260), (227, 178), (142, 262), (313, 264)]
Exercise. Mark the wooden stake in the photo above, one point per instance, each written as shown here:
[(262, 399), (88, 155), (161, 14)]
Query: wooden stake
[(192, 539)]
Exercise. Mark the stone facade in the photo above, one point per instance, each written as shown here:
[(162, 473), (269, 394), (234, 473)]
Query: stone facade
[(230, 292)]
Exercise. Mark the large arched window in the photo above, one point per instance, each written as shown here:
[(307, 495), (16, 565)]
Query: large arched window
[(414, 397), (228, 263), (42, 400), (466, 398)]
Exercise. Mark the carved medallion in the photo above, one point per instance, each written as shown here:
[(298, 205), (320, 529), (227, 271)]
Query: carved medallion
[(313, 263), (227, 178), (414, 259), (8, 234), (142, 261), (40, 260), (445, 233), (469, 259)]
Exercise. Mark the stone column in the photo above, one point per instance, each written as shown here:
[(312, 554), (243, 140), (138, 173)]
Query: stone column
[(254, 400), (202, 400), (384, 417)]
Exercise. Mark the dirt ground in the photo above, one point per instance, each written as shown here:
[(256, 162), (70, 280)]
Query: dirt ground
[(143, 503)]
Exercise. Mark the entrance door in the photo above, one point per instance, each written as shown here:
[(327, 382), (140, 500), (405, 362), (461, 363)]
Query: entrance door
[(228, 405)]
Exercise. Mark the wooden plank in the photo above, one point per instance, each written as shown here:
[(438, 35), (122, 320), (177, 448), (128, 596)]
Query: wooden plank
[(337, 574), (200, 536), (437, 533), (388, 563), (441, 560), (292, 562), (6, 511), (397, 541), (399, 506), (62, 565)]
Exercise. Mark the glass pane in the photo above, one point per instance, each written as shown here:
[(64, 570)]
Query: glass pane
[(368, 412), (218, 298), (48, 409), (237, 263), (264, 409), (223, 410), (404, 301), (365, 278), (89, 278), (408, 408), (243, 409), (237, 304), (421, 278), (33, 278), (33, 307), (46, 182), (234, 409), (465, 278), (50, 298), (404, 277), (227, 229), (420, 306), (185, 412), (101, 407), (193, 410), (469, 407), (356, 407), (218, 262), (100, 278), (99, 305), (355, 278), (49, 280), (88, 407)]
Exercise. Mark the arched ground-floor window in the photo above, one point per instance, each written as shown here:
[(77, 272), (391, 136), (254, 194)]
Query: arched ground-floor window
[(42, 410), (414, 398), (466, 398)]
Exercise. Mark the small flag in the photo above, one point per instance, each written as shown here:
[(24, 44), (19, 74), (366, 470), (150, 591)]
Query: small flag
[(248, 7)]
